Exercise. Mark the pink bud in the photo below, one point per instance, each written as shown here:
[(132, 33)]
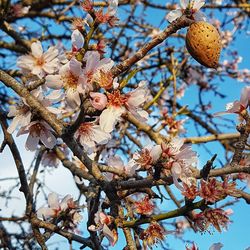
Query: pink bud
[(99, 100)]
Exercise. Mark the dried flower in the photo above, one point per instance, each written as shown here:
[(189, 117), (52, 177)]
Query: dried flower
[(87, 5), (144, 206), (190, 192), (211, 190), (152, 235), (216, 217)]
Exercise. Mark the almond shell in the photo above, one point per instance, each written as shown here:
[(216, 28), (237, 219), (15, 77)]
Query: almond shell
[(203, 42)]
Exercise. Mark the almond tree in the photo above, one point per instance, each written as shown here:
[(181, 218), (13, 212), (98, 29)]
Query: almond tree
[(98, 88)]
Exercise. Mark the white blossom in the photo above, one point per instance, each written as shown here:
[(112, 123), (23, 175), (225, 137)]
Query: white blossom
[(192, 5), (39, 63)]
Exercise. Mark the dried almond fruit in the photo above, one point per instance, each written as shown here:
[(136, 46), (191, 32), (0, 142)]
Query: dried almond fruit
[(203, 42)]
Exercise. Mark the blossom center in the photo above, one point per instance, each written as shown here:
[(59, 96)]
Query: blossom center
[(89, 76), (85, 129), (70, 81), (105, 79), (40, 61), (117, 99), (36, 129)]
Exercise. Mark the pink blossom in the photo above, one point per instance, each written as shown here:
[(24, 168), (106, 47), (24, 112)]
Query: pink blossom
[(218, 2), (39, 63), (110, 117), (193, 6), (100, 47), (237, 106), (78, 24), (174, 126), (193, 247), (22, 116), (22, 112), (19, 10), (178, 159), (101, 224), (56, 207), (154, 234), (71, 79), (118, 103), (90, 134), (244, 162), (117, 163), (38, 131), (87, 5), (99, 100), (50, 159), (148, 156), (95, 65), (182, 225), (135, 101), (218, 218)]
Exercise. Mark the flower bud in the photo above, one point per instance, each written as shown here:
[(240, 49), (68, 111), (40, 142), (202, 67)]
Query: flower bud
[(99, 100)]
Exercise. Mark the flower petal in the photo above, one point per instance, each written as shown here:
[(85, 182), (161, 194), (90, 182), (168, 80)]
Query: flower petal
[(174, 14), (53, 201), (45, 212), (48, 139), (77, 39), (54, 81), (197, 4), (109, 234), (36, 49), (15, 122), (200, 16), (32, 142), (75, 67), (184, 3), (109, 118), (245, 96)]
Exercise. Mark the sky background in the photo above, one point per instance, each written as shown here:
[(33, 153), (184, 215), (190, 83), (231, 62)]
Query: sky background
[(59, 180)]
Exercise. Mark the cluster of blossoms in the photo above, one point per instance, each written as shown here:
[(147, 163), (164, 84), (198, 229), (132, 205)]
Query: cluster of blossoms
[(65, 210), (174, 159), (108, 17), (37, 129), (211, 190), (86, 75), (218, 218), (174, 127), (67, 79)]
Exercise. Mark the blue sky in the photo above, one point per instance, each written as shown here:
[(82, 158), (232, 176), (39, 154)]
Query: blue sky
[(236, 238)]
